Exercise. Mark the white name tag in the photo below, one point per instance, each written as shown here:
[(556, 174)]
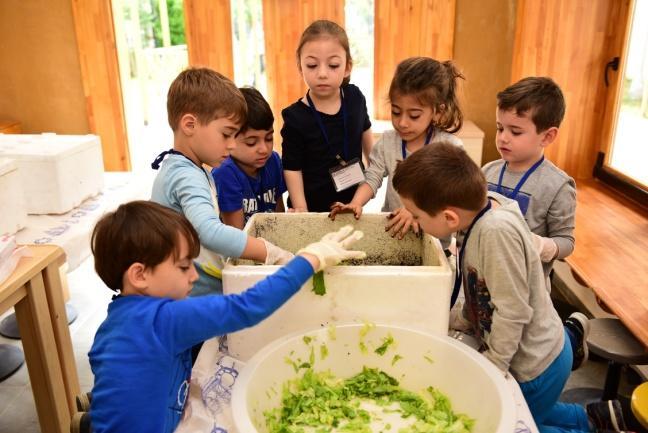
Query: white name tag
[(348, 175)]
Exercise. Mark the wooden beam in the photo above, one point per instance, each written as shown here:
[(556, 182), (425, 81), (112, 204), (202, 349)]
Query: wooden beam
[(283, 23), (406, 28), (208, 30), (93, 23), (568, 41)]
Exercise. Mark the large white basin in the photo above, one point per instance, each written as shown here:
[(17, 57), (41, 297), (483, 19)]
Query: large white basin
[(402, 282), (474, 386)]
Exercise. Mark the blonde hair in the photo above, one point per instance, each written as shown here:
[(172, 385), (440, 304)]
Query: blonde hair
[(434, 84), (322, 28), (206, 94)]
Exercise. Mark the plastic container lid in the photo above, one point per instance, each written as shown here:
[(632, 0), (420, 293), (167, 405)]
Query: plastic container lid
[(44, 146)]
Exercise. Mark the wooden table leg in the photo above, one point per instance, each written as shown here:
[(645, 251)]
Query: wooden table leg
[(58, 315), (42, 358)]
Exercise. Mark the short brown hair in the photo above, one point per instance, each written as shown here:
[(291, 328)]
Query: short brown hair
[(206, 94), (138, 232), (540, 96), (434, 84), (323, 28), (259, 113), (441, 175)]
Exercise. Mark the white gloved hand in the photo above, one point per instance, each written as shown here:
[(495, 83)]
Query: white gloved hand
[(276, 255), (546, 248), (333, 247)]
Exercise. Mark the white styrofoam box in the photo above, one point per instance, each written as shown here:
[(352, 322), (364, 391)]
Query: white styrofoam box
[(473, 140), (473, 385), (401, 282), (471, 136), (14, 215), (57, 172)]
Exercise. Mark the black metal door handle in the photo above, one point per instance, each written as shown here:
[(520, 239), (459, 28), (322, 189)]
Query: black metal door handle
[(614, 65)]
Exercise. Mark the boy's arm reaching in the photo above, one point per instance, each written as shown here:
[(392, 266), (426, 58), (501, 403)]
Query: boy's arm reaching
[(190, 186), (192, 320)]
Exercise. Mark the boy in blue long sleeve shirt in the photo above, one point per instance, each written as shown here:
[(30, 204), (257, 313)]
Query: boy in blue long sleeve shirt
[(141, 355)]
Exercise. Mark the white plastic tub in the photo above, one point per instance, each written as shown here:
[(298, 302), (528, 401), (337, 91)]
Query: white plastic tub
[(474, 386), (380, 289), (13, 210), (57, 172)]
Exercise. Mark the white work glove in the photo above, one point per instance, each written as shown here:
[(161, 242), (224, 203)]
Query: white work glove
[(276, 255), (546, 248), (332, 248)]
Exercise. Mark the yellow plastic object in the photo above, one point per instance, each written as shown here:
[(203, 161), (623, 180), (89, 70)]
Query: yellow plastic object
[(639, 404)]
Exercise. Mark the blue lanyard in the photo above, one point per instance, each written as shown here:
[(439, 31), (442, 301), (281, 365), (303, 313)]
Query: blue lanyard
[(526, 175), (320, 123), (460, 256), (158, 160), (427, 141)]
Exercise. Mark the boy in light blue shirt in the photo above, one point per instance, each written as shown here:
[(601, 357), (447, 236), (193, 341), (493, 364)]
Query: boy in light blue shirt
[(205, 111)]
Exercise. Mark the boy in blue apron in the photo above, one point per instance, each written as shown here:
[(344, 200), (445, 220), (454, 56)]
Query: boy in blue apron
[(529, 114)]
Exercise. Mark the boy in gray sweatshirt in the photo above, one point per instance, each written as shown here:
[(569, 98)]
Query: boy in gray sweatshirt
[(528, 115), (506, 300)]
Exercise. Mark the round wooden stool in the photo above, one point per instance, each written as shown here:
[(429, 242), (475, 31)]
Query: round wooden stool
[(639, 404), (609, 339)]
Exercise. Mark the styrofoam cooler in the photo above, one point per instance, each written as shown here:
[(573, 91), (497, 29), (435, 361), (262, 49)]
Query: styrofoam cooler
[(402, 282), (14, 215), (57, 172)]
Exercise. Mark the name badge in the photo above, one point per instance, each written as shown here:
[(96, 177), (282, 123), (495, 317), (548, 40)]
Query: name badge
[(347, 175)]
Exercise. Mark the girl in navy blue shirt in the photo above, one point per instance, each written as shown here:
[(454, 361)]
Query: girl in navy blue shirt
[(329, 127)]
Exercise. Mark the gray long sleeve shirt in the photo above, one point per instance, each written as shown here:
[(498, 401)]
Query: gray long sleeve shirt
[(507, 302), (383, 159), (547, 200)]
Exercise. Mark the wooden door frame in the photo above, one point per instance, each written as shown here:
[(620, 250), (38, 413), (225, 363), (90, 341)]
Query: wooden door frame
[(620, 43)]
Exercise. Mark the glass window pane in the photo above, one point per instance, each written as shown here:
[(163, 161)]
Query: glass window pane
[(630, 146), (359, 17)]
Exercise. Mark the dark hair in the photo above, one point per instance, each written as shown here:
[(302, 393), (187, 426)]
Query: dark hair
[(540, 96), (434, 84), (138, 232), (322, 28), (206, 94), (441, 175), (259, 113)]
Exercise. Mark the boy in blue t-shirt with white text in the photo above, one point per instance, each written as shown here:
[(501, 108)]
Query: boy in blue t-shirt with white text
[(251, 179)]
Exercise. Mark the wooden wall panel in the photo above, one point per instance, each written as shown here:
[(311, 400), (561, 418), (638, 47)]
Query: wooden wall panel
[(208, 30), (406, 28), (283, 23), (568, 40), (95, 36)]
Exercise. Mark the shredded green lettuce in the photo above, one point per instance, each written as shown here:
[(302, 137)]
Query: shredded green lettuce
[(318, 284), (319, 402), (387, 341)]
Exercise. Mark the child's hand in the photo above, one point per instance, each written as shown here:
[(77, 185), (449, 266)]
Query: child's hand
[(333, 248), (276, 255), (400, 221), (338, 207), (546, 248)]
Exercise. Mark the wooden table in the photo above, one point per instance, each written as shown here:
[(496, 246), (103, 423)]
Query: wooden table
[(34, 290), (611, 253)]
